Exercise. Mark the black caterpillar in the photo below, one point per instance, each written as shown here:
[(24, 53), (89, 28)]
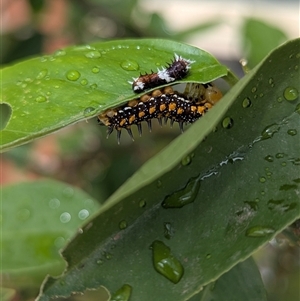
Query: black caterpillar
[(178, 69), (162, 104)]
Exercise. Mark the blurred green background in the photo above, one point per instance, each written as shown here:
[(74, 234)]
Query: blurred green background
[(81, 155)]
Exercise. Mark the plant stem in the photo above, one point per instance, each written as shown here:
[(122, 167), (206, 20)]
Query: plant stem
[(231, 78)]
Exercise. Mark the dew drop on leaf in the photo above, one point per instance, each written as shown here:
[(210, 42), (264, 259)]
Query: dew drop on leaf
[(269, 131), (259, 231), (42, 74), (60, 52), (123, 225), (89, 111), (290, 93), (186, 160), (130, 65), (269, 158), (292, 132), (54, 203), (142, 203), (83, 214), (95, 54), (73, 75), (122, 294), (95, 70), (184, 196), (65, 217), (84, 82), (41, 99), (227, 123), (165, 262), (246, 103), (262, 179)]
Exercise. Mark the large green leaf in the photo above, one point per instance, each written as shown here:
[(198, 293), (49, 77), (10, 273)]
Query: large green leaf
[(48, 93), (240, 185), (38, 219)]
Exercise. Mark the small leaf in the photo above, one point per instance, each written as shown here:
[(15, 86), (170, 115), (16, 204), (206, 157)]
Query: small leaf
[(38, 219), (77, 83), (242, 282)]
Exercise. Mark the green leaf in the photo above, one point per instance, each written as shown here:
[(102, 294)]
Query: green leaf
[(38, 219), (77, 83), (242, 282), (259, 38), (248, 174)]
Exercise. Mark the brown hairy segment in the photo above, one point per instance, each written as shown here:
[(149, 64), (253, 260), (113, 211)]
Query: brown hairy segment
[(177, 69), (162, 104)]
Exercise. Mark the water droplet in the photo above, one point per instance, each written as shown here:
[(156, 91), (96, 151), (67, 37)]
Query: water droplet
[(295, 161), (280, 99), (89, 111), (122, 294), (247, 103), (186, 160), (95, 70), (280, 206), (54, 203), (159, 183), (59, 242), (130, 65), (80, 231), (65, 217), (168, 230), (292, 132), (269, 131), (271, 81), (254, 89), (259, 231), (94, 86), (269, 158), (23, 214), (279, 155), (261, 94), (290, 93), (108, 256), (262, 179), (83, 214), (165, 263), (123, 225), (208, 256), (68, 192), (42, 74), (40, 99), (84, 82), (73, 75), (93, 54), (227, 123), (59, 52), (99, 261), (184, 196), (142, 203), (297, 109)]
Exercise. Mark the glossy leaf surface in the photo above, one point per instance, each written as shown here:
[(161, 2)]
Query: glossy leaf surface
[(248, 175)]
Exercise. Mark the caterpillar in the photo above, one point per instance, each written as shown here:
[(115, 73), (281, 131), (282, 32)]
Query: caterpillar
[(183, 108), (178, 69)]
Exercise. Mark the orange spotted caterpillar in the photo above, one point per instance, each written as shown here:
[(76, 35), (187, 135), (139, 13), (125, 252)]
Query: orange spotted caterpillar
[(165, 103)]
